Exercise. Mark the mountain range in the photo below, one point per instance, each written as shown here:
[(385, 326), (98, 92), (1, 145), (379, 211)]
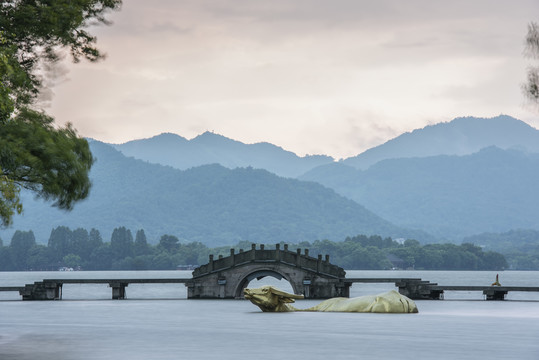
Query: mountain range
[(462, 136), (449, 196), (210, 148), (210, 204), (448, 181)]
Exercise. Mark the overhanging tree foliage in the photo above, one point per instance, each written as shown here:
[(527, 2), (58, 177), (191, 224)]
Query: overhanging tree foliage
[(531, 87), (34, 153)]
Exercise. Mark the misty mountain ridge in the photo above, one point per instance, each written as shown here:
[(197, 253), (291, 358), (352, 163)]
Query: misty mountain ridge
[(449, 196), (210, 148), (483, 181), (210, 203), (461, 136)]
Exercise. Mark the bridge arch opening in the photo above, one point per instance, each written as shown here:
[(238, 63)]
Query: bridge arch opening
[(264, 277)]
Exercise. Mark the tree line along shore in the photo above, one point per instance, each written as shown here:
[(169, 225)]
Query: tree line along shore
[(86, 250)]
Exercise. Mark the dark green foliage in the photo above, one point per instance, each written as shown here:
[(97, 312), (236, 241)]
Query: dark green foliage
[(100, 258), (39, 258), (520, 247), (21, 243), (141, 244), (531, 87), (371, 252), (53, 163), (60, 242), (34, 154), (358, 252), (169, 243), (121, 243)]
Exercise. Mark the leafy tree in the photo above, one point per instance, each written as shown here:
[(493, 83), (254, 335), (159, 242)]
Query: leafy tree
[(164, 261), (121, 243), (141, 263), (21, 243), (95, 239), (531, 87), (9, 198), (101, 258), (34, 154), (6, 263), (189, 254), (39, 258), (169, 243), (72, 260), (80, 244), (60, 242), (141, 245)]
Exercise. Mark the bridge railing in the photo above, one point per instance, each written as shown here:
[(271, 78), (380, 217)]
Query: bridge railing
[(296, 258)]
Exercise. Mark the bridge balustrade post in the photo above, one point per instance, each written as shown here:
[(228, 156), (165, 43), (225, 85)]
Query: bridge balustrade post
[(210, 264), (277, 252), (318, 262), (233, 257), (253, 252), (285, 247)]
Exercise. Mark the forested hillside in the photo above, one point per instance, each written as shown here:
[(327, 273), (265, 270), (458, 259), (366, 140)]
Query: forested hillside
[(493, 190), (210, 204), (520, 247)]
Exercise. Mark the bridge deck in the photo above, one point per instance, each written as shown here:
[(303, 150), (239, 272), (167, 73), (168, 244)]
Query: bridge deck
[(11, 288), (483, 288), (123, 281), (380, 280)]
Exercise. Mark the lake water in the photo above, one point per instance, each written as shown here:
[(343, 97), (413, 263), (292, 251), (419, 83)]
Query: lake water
[(157, 322)]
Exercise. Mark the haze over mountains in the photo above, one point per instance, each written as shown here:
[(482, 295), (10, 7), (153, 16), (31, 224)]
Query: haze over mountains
[(449, 196), (462, 136), (209, 203), (452, 180), (447, 181), (210, 148)]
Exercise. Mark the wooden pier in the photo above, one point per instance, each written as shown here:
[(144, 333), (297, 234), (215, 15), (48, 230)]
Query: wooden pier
[(418, 289), (491, 292), (51, 289), (414, 288), (11, 288)]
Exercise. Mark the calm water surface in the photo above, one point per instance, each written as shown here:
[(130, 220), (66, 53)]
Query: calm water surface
[(157, 322)]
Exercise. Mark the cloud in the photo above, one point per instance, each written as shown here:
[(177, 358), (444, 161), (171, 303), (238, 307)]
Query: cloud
[(309, 75)]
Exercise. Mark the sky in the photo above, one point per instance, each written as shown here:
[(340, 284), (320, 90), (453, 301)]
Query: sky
[(312, 76)]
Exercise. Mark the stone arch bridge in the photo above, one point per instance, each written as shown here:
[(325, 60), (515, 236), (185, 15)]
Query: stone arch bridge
[(226, 277)]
